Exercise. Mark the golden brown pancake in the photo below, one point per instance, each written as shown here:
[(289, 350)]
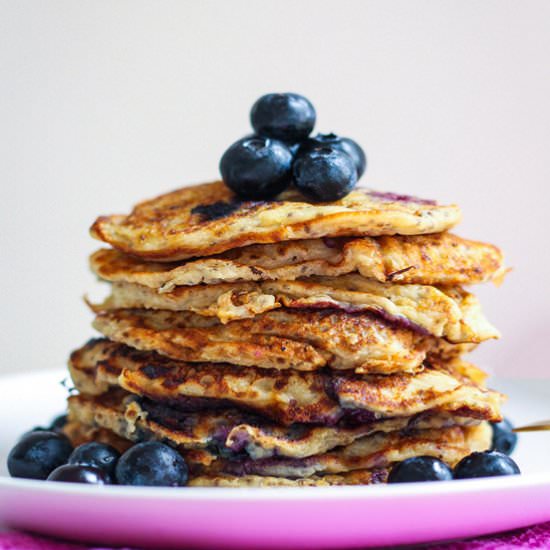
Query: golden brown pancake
[(350, 478), (230, 430), (379, 450), (374, 453), (286, 396), (208, 219), (298, 339), (440, 259), (80, 433), (447, 312)]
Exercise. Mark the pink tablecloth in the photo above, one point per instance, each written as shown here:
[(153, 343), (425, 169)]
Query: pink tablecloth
[(537, 537)]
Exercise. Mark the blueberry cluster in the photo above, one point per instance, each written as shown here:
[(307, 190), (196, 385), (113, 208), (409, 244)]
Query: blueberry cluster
[(46, 453), (495, 462), (324, 168)]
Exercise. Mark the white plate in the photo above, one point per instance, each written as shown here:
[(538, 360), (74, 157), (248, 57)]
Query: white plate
[(329, 517)]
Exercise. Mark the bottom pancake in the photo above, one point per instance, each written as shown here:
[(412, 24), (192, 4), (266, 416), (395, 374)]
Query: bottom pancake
[(379, 450), (80, 433), (231, 431), (372, 453), (352, 478)]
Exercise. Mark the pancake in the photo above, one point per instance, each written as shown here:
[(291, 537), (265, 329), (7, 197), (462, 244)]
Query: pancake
[(208, 219), (373, 453), (351, 478), (286, 396), (80, 433), (379, 450), (229, 431), (447, 312), (440, 259), (304, 340)]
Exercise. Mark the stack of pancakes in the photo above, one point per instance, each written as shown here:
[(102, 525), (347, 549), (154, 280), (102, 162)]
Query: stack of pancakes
[(286, 342)]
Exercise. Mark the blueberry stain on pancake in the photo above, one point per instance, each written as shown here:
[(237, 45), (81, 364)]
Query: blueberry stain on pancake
[(397, 197), (216, 210)]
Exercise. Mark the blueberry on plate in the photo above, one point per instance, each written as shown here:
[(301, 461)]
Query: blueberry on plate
[(352, 148), (486, 464), (257, 168), (504, 439), (420, 468), (152, 463), (33, 430), (37, 454), (96, 454), (78, 473), (58, 423), (324, 174), (288, 117)]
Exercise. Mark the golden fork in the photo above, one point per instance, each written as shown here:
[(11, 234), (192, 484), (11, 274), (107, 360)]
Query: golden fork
[(541, 426)]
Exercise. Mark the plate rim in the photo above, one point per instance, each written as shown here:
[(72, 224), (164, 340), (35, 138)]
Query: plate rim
[(382, 491)]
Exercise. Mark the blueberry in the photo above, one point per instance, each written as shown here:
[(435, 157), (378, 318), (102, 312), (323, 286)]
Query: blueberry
[(352, 148), (78, 473), (355, 151), (96, 454), (504, 439), (324, 174), (58, 423), (34, 430), (486, 464), (420, 468), (319, 140), (152, 463), (257, 168), (37, 454), (288, 117)]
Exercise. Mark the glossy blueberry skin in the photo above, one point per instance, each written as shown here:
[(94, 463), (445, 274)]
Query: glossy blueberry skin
[(348, 145), (96, 454), (504, 439), (324, 174), (58, 423), (420, 468), (78, 473), (257, 168), (34, 430), (355, 151), (153, 464), (37, 454), (56, 426), (486, 464), (287, 117)]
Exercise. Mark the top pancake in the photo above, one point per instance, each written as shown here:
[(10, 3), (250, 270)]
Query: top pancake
[(208, 219)]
